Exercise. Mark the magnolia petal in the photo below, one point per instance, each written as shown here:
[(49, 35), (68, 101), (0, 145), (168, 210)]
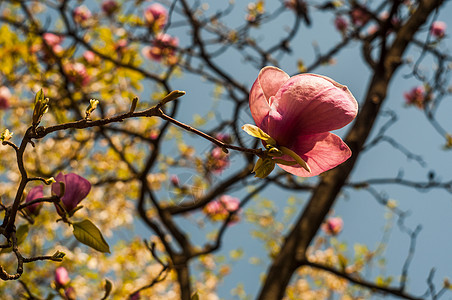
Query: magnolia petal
[(310, 104), (267, 84), (321, 152), (76, 189)]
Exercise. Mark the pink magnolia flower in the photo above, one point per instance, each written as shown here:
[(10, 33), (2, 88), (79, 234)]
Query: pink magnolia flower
[(163, 47), (341, 24), (295, 115), (90, 57), (417, 96), (76, 188), (438, 29), (174, 179), (224, 137), (333, 226), (156, 16), (109, 7), (35, 193), (5, 96), (61, 276), (77, 73), (81, 14), (219, 209)]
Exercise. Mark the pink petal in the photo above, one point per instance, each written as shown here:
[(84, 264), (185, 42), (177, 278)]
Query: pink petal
[(267, 84), (321, 152), (309, 104)]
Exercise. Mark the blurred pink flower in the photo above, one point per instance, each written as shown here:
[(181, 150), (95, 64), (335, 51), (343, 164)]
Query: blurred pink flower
[(77, 73), (218, 210), (76, 188), (438, 29), (81, 14), (156, 16), (297, 113), (224, 137), (341, 24), (5, 96), (109, 7), (35, 193), (163, 47), (61, 276), (217, 160), (417, 96), (175, 180), (359, 16), (90, 57), (333, 226), (52, 39)]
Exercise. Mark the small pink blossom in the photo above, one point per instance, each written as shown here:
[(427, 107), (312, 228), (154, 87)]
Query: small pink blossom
[(438, 29), (219, 209), (76, 188), (121, 46), (163, 47), (77, 73), (156, 16), (359, 16), (81, 14), (217, 160), (341, 24), (61, 276), (417, 96), (52, 39), (90, 57), (224, 137), (333, 226), (175, 180), (5, 96), (35, 193), (297, 113), (109, 7)]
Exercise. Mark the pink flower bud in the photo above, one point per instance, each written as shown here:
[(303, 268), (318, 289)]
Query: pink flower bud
[(81, 14), (341, 24), (109, 7), (156, 16), (359, 16), (163, 47), (76, 188), (5, 96), (61, 276), (35, 193), (417, 96), (224, 137), (175, 180), (438, 29), (218, 210), (333, 226), (52, 39), (217, 160)]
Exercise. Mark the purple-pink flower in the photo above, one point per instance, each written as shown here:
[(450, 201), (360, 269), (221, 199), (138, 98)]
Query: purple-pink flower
[(76, 188), (341, 24), (81, 14), (163, 47), (217, 160), (218, 210), (35, 193), (294, 116), (77, 73), (417, 96), (359, 16), (61, 276), (333, 226), (52, 39), (109, 7), (156, 16), (438, 29), (5, 96)]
